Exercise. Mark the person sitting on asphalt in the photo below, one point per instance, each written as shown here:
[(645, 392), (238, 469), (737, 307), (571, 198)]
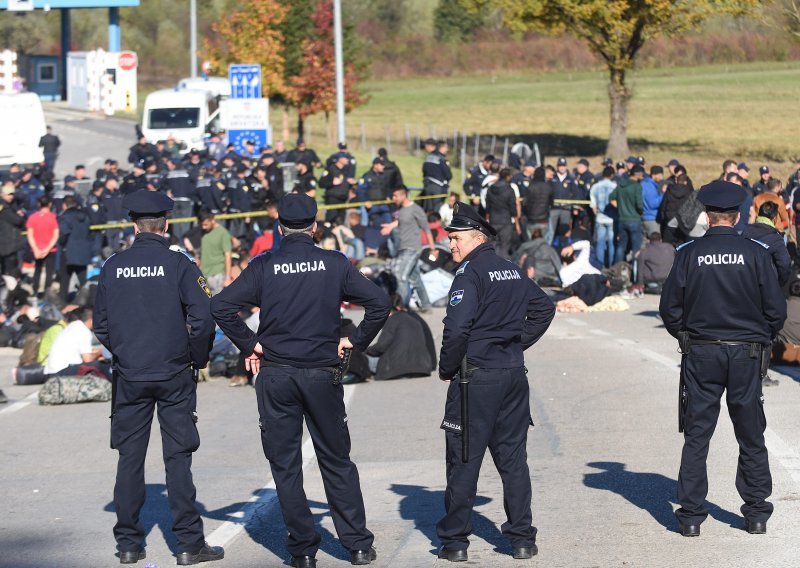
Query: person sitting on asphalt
[(405, 347), (72, 348), (655, 262)]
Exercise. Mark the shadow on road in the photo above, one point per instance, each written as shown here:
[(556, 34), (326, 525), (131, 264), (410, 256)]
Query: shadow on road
[(652, 492), (425, 507), (265, 527)]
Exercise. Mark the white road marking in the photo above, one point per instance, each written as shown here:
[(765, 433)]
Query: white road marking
[(263, 498), (21, 404), (789, 459), (599, 332), (670, 364)]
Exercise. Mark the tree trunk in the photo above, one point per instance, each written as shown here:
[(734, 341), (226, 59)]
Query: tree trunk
[(300, 126), (619, 95), (285, 126)]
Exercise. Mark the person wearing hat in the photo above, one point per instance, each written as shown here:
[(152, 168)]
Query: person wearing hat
[(494, 313), (336, 184), (474, 180), (436, 176), (350, 167), (563, 188), (764, 176), (725, 345), (296, 354), (584, 179), (136, 180), (372, 187), (75, 242), (152, 311), (301, 153), (394, 177), (744, 173)]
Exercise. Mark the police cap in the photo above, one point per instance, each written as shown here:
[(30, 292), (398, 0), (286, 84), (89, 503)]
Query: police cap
[(378, 160), (721, 196), (430, 142), (584, 162), (608, 162), (743, 166), (763, 170), (297, 210), (562, 162), (466, 219), (144, 203), (673, 162)]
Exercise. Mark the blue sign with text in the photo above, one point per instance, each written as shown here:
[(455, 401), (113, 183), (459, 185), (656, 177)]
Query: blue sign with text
[(245, 81)]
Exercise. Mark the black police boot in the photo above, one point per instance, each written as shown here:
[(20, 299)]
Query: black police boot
[(525, 552), (690, 530), (131, 557), (206, 554), (362, 557), (304, 562), (453, 555), (755, 527)]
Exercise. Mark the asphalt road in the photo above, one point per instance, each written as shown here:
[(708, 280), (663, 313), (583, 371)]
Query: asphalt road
[(604, 458), (88, 138)]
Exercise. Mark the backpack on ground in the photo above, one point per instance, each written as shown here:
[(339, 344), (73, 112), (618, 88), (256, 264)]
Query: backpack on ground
[(71, 390)]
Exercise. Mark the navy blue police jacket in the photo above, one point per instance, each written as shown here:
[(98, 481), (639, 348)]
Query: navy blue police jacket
[(299, 289), (494, 313), (153, 311), (723, 287)]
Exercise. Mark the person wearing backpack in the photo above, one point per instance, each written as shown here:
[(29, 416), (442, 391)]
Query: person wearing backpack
[(627, 198)]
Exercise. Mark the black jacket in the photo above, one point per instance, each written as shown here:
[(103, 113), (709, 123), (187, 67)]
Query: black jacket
[(405, 348), (299, 289), (152, 311), (75, 237), (494, 313), (538, 202), (777, 248), (501, 204), (11, 224), (723, 287)]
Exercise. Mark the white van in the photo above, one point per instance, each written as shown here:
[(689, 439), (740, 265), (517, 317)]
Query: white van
[(23, 124), (185, 115)]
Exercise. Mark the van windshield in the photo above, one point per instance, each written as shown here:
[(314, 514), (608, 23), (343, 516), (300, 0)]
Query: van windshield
[(165, 118)]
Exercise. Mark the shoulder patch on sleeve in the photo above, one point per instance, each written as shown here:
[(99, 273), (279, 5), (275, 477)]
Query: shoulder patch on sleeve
[(186, 254), (684, 244), (201, 281), (462, 268), (765, 245), (456, 297)]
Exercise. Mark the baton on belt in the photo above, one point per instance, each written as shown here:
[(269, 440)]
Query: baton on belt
[(113, 401), (463, 385), (341, 370)]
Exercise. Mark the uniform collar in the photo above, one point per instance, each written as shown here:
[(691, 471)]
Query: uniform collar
[(479, 250), (144, 239), (721, 231), (297, 239)]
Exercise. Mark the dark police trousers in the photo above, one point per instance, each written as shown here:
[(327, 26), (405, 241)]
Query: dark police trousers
[(710, 370), (499, 417), (176, 400), (285, 396)]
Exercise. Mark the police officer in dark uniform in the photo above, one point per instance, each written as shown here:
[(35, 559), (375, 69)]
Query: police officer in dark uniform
[(475, 176), (723, 303), (436, 176), (299, 289), (372, 187), (336, 185), (136, 180), (350, 167), (152, 312), (494, 313)]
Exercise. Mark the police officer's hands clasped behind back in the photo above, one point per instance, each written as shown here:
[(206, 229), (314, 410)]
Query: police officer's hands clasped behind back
[(152, 311), (494, 313), (722, 301), (296, 351)]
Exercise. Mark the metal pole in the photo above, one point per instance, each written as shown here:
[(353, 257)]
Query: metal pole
[(114, 37), (193, 37), (337, 42)]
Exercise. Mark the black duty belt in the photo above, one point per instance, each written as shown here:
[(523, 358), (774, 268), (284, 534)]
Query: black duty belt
[(755, 347)]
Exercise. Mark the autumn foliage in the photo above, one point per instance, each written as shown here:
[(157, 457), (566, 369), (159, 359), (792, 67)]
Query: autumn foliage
[(313, 90)]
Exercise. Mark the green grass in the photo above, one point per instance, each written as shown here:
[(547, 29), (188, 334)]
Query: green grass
[(700, 115)]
